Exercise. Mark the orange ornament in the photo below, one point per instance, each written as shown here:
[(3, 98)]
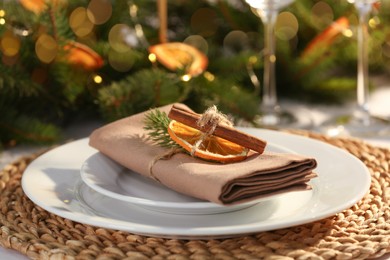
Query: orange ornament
[(38, 6), (327, 36), (82, 56), (177, 56)]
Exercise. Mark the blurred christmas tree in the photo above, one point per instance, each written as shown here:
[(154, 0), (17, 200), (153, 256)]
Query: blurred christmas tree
[(66, 59)]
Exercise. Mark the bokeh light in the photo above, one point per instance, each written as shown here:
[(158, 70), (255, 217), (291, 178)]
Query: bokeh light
[(348, 33), (186, 78), (46, 48), (152, 57), (209, 76), (322, 14), (286, 26), (374, 22), (97, 79), (120, 61), (198, 42), (99, 11), (118, 37), (10, 44), (253, 59), (80, 23), (2, 19), (133, 10), (236, 41), (203, 22)]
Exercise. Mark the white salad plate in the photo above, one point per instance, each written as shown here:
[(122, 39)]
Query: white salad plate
[(53, 182), (109, 178)]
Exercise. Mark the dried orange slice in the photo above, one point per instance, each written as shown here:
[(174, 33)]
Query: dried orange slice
[(82, 56), (177, 55), (212, 148)]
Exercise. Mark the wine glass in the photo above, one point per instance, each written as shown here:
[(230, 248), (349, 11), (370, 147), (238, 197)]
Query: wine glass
[(360, 123), (271, 113)]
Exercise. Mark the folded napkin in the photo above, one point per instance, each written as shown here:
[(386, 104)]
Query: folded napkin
[(125, 141)]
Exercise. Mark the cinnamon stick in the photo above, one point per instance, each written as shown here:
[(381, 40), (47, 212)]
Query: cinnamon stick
[(190, 118)]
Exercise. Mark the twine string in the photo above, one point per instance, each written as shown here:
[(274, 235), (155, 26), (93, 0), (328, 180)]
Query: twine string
[(211, 117)]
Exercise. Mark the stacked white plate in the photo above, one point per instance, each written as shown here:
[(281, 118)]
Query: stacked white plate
[(76, 182)]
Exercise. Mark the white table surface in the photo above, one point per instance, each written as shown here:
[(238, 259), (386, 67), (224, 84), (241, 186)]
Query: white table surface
[(379, 103)]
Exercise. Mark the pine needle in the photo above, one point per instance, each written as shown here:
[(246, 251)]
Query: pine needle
[(156, 124)]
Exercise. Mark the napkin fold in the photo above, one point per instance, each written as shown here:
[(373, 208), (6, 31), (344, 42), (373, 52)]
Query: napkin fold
[(260, 175)]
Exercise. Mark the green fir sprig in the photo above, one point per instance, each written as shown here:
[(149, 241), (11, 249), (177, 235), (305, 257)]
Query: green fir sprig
[(156, 124)]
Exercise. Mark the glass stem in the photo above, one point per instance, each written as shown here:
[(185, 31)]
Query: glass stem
[(362, 65), (269, 101)]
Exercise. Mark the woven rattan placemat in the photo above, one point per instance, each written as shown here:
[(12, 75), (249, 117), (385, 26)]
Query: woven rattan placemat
[(360, 232)]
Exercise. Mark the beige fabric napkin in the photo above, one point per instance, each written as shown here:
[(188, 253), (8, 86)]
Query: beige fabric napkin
[(125, 141)]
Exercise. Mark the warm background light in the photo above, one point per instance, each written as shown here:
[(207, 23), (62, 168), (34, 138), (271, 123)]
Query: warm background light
[(99, 11), (198, 42), (236, 41), (2, 19), (117, 37), (209, 76), (286, 26), (10, 44), (97, 79), (152, 57), (121, 39), (80, 23), (120, 61), (79, 51), (322, 14), (46, 48)]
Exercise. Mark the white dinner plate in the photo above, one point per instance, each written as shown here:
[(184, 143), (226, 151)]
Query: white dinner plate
[(109, 178), (53, 182)]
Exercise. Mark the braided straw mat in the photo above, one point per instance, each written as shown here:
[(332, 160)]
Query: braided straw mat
[(361, 232)]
